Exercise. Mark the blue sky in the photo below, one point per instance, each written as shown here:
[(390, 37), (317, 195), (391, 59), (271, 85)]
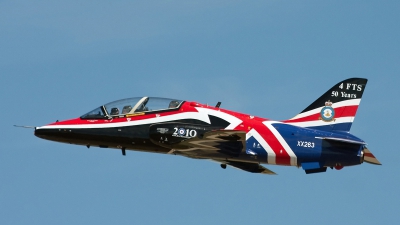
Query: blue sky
[(59, 60)]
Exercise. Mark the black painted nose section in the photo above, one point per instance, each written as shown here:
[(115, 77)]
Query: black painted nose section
[(41, 133), (48, 134)]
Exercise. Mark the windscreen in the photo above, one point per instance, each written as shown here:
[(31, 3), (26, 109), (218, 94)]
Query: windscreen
[(94, 114)]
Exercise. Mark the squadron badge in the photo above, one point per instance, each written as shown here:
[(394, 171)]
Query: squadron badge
[(327, 112)]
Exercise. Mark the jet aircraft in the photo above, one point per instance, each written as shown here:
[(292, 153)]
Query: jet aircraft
[(315, 139)]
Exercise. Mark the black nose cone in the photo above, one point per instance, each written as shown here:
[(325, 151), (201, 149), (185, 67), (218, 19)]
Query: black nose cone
[(48, 134)]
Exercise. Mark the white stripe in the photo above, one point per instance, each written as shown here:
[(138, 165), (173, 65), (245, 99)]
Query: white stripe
[(188, 115), (201, 115), (351, 102), (234, 121), (293, 157), (316, 123), (271, 159)]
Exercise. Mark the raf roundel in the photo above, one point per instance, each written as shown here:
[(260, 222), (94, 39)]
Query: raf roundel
[(327, 112), (181, 131)]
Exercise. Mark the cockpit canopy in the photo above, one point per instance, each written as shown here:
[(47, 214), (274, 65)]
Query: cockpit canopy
[(135, 105)]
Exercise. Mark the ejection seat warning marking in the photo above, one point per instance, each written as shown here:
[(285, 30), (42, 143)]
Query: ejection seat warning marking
[(162, 130), (184, 133)]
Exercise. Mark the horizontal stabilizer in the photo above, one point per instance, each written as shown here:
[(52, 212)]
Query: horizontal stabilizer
[(370, 158), (342, 140)]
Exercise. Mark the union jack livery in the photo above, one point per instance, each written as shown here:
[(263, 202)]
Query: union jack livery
[(315, 139)]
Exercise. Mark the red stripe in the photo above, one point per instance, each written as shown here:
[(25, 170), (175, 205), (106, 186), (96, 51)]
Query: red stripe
[(345, 111), (369, 155), (281, 158)]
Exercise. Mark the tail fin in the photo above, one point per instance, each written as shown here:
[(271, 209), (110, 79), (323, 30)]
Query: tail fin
[(335, 110)]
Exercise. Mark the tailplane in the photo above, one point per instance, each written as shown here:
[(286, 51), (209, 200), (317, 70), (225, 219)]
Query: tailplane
[(335, 110)]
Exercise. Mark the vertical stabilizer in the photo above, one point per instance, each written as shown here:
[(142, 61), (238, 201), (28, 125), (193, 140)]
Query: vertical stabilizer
[(335, 110)]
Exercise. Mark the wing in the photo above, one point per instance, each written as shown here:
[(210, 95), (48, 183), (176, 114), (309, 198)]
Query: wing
[(219, 146)]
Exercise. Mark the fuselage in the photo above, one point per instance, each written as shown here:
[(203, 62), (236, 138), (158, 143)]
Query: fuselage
[(159, 130)]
